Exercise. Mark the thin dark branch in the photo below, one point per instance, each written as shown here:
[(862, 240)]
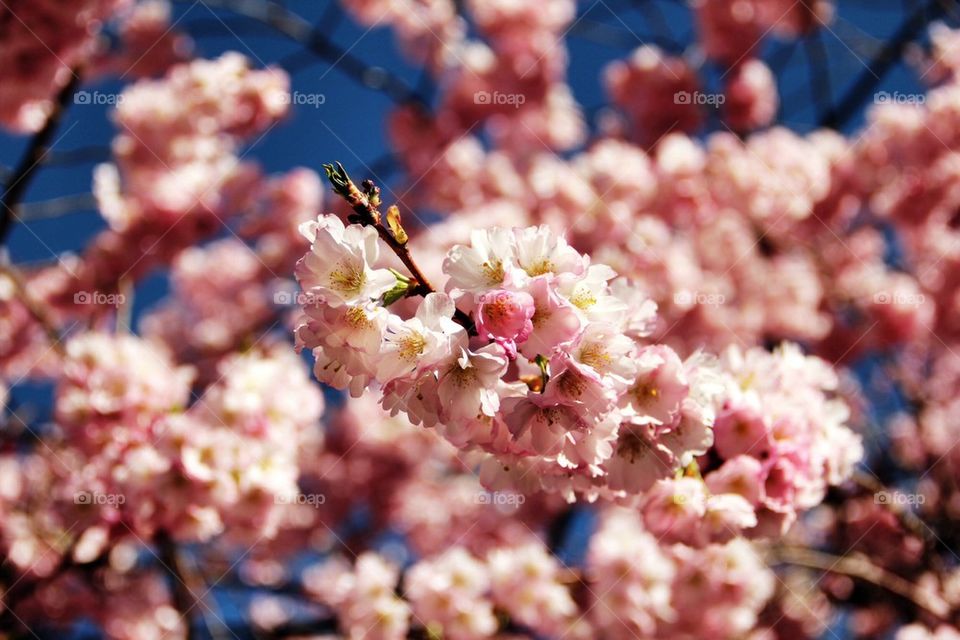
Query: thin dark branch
[(856, 566), (183, 599), (24, 587), (885, 59), (20, 178), (293, 26)]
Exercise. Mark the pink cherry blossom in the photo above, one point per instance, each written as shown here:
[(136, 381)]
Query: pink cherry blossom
[(506, 317)]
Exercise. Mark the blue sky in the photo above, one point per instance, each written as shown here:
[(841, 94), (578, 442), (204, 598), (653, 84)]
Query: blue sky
[(349, 125)]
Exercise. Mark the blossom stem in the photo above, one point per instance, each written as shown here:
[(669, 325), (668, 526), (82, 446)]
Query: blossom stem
[(365, 204)]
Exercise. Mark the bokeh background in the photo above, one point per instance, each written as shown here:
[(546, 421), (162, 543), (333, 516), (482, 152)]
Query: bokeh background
[(828, 77)]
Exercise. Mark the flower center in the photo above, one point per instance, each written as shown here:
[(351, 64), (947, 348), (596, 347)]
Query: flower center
[(540, 316), (571, 385), (583, 299), (463, 378), (412, 345), (357, 318), (540, 267), (347, 278), (646, 393), (631, 446), (493, 271), (594, 355), (498, 309)]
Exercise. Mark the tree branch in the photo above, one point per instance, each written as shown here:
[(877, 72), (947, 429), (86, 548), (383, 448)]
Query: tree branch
[(21, 176), (183, 598), (856, 566), (294, 27), (841, 113), (366, 203)]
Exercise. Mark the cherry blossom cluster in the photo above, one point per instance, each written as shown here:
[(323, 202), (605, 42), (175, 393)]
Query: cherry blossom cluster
[(212, 310), (733, 239), (182, 129), (732, 31), (149, 42), (675, 592), (177, 177), (661, 93), (780, 440), (538, 357), (43, 43), (455, 594), (128, 603), (531, 356), (137, 456)]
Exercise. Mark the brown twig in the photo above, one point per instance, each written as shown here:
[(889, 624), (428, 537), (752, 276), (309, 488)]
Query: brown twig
[(183, 598), (910, 521), (858, 566), (296, 28), (365, 203), (24, 588), (38, 148)]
